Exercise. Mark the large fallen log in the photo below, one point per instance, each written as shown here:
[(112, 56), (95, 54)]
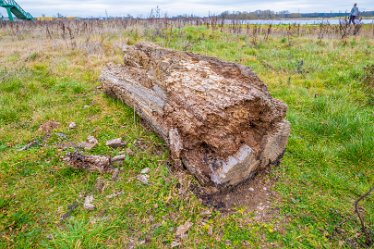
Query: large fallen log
[(217, 117)]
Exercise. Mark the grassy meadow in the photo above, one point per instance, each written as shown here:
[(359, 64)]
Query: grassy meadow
[(49, 72)]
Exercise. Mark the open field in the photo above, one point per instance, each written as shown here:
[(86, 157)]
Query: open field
[(49, 71)]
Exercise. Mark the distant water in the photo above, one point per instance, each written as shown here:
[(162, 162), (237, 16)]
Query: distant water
[(299, 21)]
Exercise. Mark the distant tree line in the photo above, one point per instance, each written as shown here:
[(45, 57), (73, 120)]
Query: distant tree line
[(268, 14)]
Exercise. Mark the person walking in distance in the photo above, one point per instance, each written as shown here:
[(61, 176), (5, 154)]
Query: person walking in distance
[(354, 14)]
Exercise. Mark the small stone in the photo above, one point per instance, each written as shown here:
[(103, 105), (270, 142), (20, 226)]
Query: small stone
[(115, 143), (145, 171), (261, 206), (72, 125), (88, 203), (92, 140), (89, 144), (264, 188), (118, 158), (251, 189), (143, 179)]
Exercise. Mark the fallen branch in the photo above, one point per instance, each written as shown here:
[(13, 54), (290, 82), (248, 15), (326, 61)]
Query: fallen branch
[(365, 231), (29, 145), (217, 118), (101, 164)]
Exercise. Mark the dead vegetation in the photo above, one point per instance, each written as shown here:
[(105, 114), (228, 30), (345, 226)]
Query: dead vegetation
[(70, 30)]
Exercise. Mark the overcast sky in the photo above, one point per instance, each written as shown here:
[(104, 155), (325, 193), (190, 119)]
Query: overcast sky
[(88, 8)]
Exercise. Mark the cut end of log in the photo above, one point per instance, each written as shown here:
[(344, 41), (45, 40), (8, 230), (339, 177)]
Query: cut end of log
[(217, 117)]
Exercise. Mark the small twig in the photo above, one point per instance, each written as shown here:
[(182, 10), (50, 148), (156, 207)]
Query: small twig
[(369, 240), (36, 142), (48, 33), (29, 145), (71, 209)]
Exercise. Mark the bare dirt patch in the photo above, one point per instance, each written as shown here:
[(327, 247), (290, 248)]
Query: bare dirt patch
[(256, 195)]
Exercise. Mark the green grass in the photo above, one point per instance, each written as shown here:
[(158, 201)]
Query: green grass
[(328, 163)]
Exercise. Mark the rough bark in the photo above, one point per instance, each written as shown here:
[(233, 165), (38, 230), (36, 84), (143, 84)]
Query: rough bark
[(217, 117)]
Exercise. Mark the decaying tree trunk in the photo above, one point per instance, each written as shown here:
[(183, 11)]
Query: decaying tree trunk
[(217, 117)]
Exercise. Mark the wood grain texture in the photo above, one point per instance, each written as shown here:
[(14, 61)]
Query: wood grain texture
[(217, 117)]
